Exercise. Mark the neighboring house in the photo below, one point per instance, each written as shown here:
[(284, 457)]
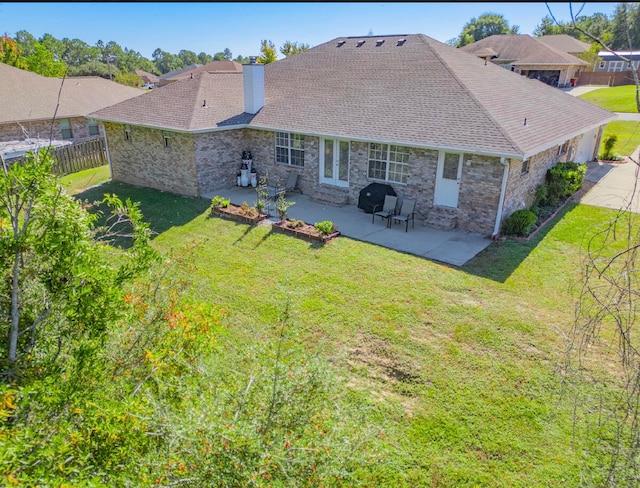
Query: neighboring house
[(28, 102), (529, 57), (149, 78), (565, 43), (213, 67), (611, 63), (470, 141)]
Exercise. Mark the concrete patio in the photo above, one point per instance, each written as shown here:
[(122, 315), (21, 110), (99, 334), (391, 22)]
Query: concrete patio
[(452, 247)]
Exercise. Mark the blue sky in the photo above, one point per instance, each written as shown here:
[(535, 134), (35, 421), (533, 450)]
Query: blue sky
[(212, 27)]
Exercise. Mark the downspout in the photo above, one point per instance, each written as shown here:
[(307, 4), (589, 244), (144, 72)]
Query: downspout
[(106, 146), (503, 190)]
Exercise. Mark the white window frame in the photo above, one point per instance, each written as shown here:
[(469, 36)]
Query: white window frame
[(166, 139), (65, 125), (615, 66), (289, 149), (602, 65), (525, 167), (562, 149), (392, 159), (127, 132)]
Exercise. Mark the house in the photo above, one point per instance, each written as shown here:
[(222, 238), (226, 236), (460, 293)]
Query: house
[(565, 43), (148, 78), (611, 63), (470, 141), (29, 102), (529, 57), (190, 71)]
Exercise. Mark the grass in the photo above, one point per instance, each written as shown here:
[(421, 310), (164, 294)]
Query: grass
[(82, 180), (457, 367), (615, 99), (628, 133)]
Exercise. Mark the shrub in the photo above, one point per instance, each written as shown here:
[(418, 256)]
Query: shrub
[(326, 227), (519, 223), (245, 209), (564, 179), (219, 201), (608, 144), (294, 224)]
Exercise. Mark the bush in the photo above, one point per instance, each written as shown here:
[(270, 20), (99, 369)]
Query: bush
[(326, 227), (609, 142), (219, 201), (563, 180), (519, 223)]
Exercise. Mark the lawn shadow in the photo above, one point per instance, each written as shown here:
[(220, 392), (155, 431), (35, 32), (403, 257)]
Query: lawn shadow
[(501, 258), (162, 210)]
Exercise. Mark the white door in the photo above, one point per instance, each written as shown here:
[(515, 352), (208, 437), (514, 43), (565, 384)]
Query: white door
[(448, 176), (587, 146), (334, 162)]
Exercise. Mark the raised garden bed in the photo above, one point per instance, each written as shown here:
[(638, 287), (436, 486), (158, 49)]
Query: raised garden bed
[(299, 228), (237, 212)]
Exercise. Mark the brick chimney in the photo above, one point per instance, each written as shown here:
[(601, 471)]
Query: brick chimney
[(253, 81)]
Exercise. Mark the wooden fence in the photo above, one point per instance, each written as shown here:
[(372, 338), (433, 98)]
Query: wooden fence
[(79, 156), (605, 78)]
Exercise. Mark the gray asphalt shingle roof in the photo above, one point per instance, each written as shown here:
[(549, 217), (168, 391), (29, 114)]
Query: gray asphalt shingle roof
[(30, 96), (565, 43), (419, 92)]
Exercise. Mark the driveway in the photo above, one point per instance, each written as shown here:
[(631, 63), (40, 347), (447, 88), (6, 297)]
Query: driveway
[(615, 185)]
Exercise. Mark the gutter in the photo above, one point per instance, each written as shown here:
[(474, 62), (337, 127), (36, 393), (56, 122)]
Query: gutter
[(503, 190), (106, 146)]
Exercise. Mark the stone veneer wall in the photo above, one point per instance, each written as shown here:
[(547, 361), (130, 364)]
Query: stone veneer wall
[(144, 160), (521, 188), (42, 129)]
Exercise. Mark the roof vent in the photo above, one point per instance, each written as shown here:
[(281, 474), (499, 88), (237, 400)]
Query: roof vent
[(341, 43), (379, 42), (401, 42), (525, 121), (360, 43), (204, 104)]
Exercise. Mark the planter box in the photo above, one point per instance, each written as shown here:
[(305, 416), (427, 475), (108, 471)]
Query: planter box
[(234, 212), (306, 231)]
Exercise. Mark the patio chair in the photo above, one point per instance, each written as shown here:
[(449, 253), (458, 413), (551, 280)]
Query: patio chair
[(275, 191), (386, 210), (406, 213)]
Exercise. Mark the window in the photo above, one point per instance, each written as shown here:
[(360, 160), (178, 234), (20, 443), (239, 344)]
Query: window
[(65, 127), (93, 127), (127, 132), (165, 137), (290, 149), (388, 162), (602, 64), (525, 167), (616, 65), (563, 149)]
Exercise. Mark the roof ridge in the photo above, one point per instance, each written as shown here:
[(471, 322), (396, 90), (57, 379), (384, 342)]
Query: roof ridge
[(562, 54), (500, 128)]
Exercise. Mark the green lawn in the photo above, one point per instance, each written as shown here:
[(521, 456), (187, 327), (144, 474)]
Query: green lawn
[(456, 368), (628, 133), (615, 99), (81, 180)]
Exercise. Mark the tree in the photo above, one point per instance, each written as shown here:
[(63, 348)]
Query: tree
[(25, 42), (59, 287), (268, 51), (241, 59), (188, 57), (166, 62), (625, 29), (290, 48), (227, 54), (94, 68), (547, 27), (487, 24), (53, 45), (204, 58), (42, 61), (10, 53), (78, 52), (129, 79), (219, 56)]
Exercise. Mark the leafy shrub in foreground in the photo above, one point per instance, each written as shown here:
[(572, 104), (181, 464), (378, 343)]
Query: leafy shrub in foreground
[(563, 180), (519, 223)]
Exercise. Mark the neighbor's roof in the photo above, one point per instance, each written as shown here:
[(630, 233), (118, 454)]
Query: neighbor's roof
[(172, 74), (146, 76), (523, 49), (30, 96), (213, 67), (565, 43), (419, 92)]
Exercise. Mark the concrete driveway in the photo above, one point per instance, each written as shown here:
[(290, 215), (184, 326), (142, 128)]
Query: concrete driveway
[(615, 185), (451, 247)]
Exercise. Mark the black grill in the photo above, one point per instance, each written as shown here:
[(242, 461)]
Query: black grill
[(373, 195)]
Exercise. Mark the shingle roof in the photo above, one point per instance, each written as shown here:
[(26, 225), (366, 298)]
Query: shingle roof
[(523, 49), (29, 96), (173, 74), (146, 76), (418, 92), (565, 43)]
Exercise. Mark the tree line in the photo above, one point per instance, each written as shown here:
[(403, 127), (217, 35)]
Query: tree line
[(54, 57)]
